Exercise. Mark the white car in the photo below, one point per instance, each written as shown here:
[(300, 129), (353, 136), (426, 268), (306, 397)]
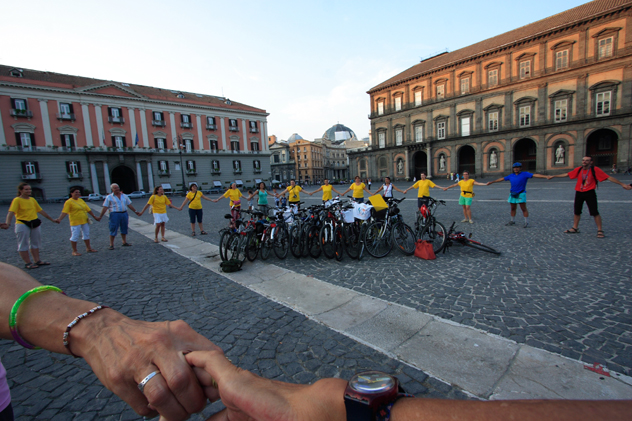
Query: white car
[(137, 194), (93, 197)]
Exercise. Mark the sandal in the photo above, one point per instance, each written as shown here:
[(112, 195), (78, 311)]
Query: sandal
[(111, 248), (193, 234), (92, 251), (40, 263), (203, 233), (164, 239), (600, 234), (572, 231), (76, 253), (31, 266), (127, 245)]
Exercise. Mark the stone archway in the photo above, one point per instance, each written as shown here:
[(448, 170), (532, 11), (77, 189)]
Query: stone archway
[(125, 178), (602, 145), (525, 152), (420, 160), (467, 160)]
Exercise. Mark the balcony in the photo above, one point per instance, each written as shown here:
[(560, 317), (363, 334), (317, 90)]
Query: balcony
[(213, 151), (32, 176), (164, 173), (215, 172), (237, 171), (235, 151), (188, 125), (119, 120), (192, 172), (254, 130), (74, 175), (211, 127), (158, 123), (25, 148), (66, 116), (257, 171), (20, 113), (233, 128)]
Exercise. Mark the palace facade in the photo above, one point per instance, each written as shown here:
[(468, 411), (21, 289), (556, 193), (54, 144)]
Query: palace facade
[(545, 94), (58, 131)]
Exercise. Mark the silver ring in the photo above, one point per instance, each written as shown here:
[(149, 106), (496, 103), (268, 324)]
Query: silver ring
[(141, 385)]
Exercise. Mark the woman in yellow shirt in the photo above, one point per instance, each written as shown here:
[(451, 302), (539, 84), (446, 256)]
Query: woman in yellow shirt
[(27, 225), (467, 193), (234, 194), (77, 212), (326, 188), (358, 188), (294, 193), (195, 207), (159, 202), (424, 185)]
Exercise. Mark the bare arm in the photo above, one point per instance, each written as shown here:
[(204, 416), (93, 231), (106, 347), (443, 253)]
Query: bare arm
[(367, 190), (558, 176), (615, 181), (480, 184), (45, 215), (540, 176), (63, 215), (334, 189), (205, 198), (501, 179), (186, 200), (453, 185), (380, 189)]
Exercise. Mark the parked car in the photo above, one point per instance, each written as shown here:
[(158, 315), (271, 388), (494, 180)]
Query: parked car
[(95, 197), (137, 194), (213, 190)]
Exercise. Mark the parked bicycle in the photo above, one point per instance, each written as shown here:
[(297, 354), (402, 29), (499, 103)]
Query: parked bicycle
[(387, 229), (460, 238), (427, 228)]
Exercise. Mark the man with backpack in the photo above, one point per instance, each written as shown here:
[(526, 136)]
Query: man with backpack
[(588, 177)]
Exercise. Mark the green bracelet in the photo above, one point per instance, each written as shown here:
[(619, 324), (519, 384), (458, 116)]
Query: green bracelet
[(13, 316)]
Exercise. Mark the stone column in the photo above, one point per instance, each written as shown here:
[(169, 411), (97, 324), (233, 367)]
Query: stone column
[(139, 176), (85, 111), (106, 175), (174, 133), (132, 125), (94, 177), (150, 176), (48, 134), (101, 132), (198, 122), (223, 147), (264, 136), (143, 127), (429, 160)]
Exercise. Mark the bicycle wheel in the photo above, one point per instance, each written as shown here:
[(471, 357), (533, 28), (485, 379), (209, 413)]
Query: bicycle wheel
[(351, 238), (252, 246), (312, 242), (404, 238), (338, 243), (281, 240), (435, 233), (223, 245), (235, 249), (295, 241), (482, 247), (266, 243), (326, 240), (377, 239)]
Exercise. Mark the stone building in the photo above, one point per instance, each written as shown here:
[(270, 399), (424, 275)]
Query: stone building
[(308, 157), (282, 167), (59, 131), (545, 94)]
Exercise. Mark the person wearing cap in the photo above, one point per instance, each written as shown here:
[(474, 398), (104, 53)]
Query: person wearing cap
[(518, 192)]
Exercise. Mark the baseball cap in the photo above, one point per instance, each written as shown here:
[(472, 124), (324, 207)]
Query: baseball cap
[(517, 164)]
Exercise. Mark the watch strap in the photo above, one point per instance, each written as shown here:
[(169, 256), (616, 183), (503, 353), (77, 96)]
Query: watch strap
[(384, 412)]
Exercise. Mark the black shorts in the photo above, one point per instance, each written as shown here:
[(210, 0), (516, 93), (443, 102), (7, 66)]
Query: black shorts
[(423, 201), (195, 214), (590, 197)]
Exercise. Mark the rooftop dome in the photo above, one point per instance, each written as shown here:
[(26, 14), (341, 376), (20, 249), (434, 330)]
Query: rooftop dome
[(294, 138), (338, 133)]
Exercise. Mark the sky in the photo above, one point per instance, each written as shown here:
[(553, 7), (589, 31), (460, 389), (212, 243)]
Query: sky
[(309, 64)]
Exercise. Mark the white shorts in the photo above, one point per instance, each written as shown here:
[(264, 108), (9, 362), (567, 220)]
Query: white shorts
[(28, 238), (160, 218), (83, 229)]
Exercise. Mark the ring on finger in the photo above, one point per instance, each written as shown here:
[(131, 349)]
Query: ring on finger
[(141, 385)]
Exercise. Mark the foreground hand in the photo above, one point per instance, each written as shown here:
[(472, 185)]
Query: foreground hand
[(627, 187), (250, 397), (122, 352), (4, 226), (549, 177)]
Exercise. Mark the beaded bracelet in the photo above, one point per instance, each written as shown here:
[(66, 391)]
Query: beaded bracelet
[(384, 412), (13, 316), (74, 323)]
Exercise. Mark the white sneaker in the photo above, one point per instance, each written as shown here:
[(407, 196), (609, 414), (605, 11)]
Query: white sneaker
[(465, 220), (471, 222)]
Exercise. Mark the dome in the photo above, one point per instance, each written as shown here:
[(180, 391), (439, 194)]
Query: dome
[(338, 133), (294, 138)]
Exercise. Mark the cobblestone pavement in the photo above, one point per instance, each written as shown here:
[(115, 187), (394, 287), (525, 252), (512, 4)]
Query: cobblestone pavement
[(149, 282), (566, 293)]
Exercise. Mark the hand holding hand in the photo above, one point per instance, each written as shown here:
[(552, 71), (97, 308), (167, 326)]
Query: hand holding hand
[(4, 226), (549, 177), (627, 187), (138, 213)]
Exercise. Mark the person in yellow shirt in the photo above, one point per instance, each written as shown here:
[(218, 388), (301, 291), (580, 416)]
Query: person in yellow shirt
[(195, 207), (294, 193), (234, 194), (358, 188), (159, 202), (77, 212), (467, 193), (326, 188), (424, 185), (27, 225)]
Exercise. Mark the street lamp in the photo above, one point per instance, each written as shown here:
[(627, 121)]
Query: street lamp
[(179, 140)]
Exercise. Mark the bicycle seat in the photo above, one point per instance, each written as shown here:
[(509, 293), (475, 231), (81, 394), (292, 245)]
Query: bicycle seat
[(228, 216)]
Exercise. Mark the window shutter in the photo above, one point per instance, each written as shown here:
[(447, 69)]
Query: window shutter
[(67, 166), (124, 142), (13, 103), (72, 140), (109, 111), (78, 166), (72, 110), (23, 167), (155, 143), (32, 136), (114, 141), (18, 141), (36, 167)]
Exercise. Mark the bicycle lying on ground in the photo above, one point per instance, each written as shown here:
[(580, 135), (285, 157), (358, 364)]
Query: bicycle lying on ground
[(460, 238)]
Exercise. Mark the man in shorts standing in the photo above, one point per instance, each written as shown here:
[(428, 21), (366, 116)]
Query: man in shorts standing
[(587, 178), (518, 191), (117, 203)]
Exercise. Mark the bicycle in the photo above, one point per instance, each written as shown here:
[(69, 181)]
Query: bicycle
[(330, 236), (427, 228), (387, 229), (460, 238), (353, 231)]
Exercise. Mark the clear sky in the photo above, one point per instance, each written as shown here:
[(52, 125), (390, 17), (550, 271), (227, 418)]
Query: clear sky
[(307, 63)]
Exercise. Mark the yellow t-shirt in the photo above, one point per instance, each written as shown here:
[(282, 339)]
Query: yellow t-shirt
[(424, 187), (24, 209), (294, 193), (77, 211), (467, 186), (159, 203), (327, 192), (358, 190), (197, 202), (233, 194)]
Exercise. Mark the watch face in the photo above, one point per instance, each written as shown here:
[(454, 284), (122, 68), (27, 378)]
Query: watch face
[(372, 382)]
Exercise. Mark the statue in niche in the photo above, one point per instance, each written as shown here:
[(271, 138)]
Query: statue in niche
[(493, 160), (400, 166), (442, 163), (559, 154)]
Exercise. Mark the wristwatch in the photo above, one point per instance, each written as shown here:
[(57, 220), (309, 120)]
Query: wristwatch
[(370, 395)]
